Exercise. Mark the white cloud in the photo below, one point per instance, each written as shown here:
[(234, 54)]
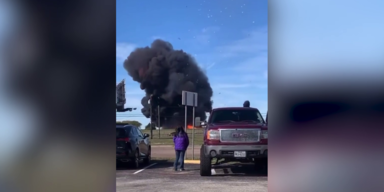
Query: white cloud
[(254, 65), (135, 92), (133, 95), (229, 86), (247, 78), (211, 65), (203, 39), (251, 71), (204, 36), (239, 85), (123, 50), (220, 99), (254, 42), (252, 54), (133, 101)]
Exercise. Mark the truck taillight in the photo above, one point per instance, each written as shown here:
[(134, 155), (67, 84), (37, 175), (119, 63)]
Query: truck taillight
[(264, 134), (213, 135)]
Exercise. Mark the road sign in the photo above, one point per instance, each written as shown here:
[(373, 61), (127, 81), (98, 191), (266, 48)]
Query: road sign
[(189, 98)]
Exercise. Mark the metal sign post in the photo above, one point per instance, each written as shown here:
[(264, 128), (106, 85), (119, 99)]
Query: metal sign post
[(193, 134), (185, 119), (190, 99)]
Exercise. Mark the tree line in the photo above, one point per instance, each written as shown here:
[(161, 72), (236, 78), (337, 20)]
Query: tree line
[(137, 124)]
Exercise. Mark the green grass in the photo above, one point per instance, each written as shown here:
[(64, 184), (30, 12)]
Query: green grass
[(163, 137)]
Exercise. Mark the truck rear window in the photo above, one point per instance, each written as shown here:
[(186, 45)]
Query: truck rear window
[(232, 115)]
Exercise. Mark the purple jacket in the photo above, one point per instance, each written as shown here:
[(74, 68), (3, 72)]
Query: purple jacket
[(181, 142)]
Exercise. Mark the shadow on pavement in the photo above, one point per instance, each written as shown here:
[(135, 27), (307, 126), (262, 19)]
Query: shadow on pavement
[(239, 169), (124, 166), (159, 165)]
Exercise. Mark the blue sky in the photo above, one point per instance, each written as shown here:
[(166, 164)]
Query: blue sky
[(229, 40)]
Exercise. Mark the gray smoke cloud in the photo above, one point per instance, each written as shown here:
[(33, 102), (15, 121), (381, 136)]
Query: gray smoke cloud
[(164, 73)]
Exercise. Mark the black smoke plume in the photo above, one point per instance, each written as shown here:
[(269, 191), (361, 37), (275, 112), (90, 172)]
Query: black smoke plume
[(164, 73)]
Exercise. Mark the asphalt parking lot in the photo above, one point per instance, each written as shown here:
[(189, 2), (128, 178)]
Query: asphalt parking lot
[(159, 176)]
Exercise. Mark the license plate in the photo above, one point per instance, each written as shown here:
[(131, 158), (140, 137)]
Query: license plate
[(239, 154)]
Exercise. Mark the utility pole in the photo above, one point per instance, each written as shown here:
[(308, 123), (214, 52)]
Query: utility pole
[(150, 117), (158, 118)]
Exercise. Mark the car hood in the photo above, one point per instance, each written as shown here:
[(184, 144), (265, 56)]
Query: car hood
[(236, 125)]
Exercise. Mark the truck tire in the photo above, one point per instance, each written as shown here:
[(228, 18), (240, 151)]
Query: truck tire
[(205, 163), (261, 165), (136, 160)]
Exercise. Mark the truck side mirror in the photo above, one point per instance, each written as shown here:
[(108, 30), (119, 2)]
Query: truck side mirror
[(203, 124)]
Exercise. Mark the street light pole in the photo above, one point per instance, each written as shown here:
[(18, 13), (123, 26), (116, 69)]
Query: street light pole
[(158, 118)]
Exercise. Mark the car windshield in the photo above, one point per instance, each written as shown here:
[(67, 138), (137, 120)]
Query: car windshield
[(236, 115)]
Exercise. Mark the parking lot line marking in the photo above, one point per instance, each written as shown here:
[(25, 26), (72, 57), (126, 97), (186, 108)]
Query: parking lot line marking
[(213, 172), (192, 161), (144, 168)]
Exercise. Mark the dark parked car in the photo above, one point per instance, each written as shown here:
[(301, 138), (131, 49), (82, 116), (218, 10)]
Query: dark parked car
[(132, 146)]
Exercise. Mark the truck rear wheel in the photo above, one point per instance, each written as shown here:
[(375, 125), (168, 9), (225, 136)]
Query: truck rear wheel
[(205, 163), (261, 165)]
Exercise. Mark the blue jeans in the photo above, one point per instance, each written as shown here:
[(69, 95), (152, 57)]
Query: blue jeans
[(179, 159)]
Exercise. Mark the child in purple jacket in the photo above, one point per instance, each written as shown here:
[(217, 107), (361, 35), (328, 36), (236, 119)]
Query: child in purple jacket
[(181, 141)]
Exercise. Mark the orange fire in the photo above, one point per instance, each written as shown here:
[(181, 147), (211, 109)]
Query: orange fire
[(191, 127)]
